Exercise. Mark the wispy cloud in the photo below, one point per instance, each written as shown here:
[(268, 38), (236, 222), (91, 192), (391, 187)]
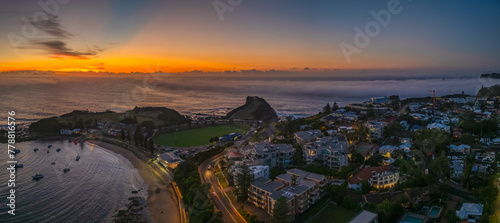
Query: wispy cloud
[(54, 39)]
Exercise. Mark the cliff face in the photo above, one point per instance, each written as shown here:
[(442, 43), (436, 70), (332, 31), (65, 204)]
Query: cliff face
[(492, 75), (255, 108), (487, 92)]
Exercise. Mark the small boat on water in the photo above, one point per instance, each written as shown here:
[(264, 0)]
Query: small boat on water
[(49, 146), (53, 163), (48, 151), (16, 151), (37, 176), (18, 166), (77, 158), (35, 149), (66, 170), (58, 149)]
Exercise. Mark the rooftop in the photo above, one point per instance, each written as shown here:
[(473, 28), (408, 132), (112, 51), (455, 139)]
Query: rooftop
[(309, 134), (364, 216), (266, 147), (367, 173), (170, 157), (266, 184)]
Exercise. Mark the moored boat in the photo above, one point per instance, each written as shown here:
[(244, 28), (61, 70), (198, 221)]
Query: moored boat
[(66, 170), (77, 158), (18, 166), (37, 176)]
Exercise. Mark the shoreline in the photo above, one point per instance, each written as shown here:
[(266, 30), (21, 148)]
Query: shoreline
[(161, 202)]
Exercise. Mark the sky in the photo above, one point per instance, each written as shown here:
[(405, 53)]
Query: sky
[(232, 35)]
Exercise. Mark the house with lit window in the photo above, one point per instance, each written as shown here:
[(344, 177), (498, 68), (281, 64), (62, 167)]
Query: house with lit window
[(375, 129), (332, 150), (377, 176), (309, 136), (265, 153), (301, 189)]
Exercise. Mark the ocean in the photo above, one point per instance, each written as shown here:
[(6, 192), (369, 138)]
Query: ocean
[(35, 96), (94, 189), (101, 182)]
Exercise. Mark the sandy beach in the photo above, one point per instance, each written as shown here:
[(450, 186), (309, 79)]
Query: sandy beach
[(162, 202)]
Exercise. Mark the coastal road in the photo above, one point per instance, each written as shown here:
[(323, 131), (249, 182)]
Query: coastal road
[(229, 212)]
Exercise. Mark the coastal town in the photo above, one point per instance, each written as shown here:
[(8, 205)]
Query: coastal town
[(430, 159), (238, 111)]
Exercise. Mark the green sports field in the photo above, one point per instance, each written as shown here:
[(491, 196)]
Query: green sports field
[(198, 136)]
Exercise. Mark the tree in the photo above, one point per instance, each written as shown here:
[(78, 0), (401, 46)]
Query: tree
[(281, 211), (440, 166), (145, 143), (148, 124), (275, 171), (390, 211), (365, 187), (327, 109), (348, 203), (431, 141), (370, 113), (151, 146), (122, 134), (294, 180), (79, 124), (375, 160), (337, 192), (357, 157), (335, 106), (451, 216), (137, 135), (243, 179), (467, 138), (298, 156)]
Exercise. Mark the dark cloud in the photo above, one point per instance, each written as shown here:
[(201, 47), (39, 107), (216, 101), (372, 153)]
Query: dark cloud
[(54, 39), (53, 28), (59, 49)]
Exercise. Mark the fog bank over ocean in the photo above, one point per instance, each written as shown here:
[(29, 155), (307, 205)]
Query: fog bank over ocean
[(38, 94)]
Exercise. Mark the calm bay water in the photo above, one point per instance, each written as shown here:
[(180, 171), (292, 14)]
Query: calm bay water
[(97, 185)]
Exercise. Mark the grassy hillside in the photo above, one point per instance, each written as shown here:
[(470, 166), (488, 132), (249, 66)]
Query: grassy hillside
[(77, 119)]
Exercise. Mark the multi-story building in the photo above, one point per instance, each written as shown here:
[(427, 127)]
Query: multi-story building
[(255, 171), (300, 188), (304, 137), (265, 153), (332, 150), (375, 129), (377, 176)]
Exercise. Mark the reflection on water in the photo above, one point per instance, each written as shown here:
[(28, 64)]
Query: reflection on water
[(92, 191)]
